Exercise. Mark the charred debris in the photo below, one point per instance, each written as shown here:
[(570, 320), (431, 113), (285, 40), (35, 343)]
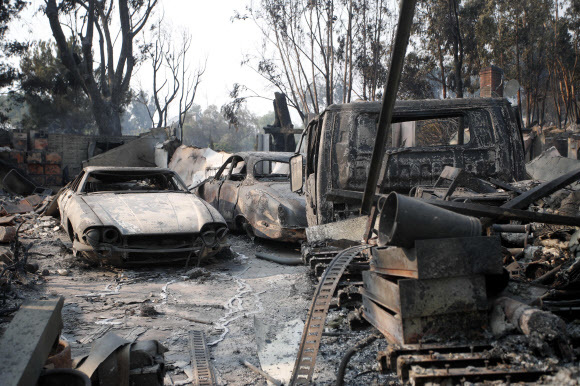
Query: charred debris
[(443, 257), (468, 279)]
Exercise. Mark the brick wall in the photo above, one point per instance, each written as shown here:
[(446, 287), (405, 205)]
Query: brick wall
[(54, 159), (74, 149)]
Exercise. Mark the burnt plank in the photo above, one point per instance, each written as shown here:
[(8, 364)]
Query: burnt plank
[(400, 330), (442, 296), (474, 374), (383, 290), (388, 358), (387, 323), (525, 199), (501, 213), (413, 298), (440, 361), (27, 341)]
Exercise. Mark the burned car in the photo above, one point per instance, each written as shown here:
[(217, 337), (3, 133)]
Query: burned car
[(134, 215), (252, 191)]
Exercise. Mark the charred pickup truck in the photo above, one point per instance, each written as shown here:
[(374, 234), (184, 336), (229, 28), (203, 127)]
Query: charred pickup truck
[(480, 135)]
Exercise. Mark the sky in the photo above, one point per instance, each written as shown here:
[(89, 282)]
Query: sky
[(215, 37)]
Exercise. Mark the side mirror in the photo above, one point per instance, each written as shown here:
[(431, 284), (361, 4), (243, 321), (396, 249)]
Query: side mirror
[(296, 173)]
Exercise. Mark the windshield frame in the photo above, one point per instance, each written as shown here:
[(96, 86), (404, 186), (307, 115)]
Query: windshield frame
[(138, 174)]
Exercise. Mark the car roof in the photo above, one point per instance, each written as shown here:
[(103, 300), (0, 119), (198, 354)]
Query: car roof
[(90, 169), (268, 155), (422, 105)]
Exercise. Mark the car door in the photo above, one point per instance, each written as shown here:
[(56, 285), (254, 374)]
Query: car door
[(229, 191), (65, 199), (67, 194), (210, 190)]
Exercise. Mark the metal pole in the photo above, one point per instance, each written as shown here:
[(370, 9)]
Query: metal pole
[(390, 95)]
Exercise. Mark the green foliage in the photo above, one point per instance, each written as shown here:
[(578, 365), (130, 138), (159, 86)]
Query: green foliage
[(9, 10), (103, 66), (209, 128), (414, 81), (135, 119), (55, 101), (13, 110), (534, 41)]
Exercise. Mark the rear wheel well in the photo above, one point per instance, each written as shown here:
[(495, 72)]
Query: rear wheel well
[(243, 225), (239, 222)]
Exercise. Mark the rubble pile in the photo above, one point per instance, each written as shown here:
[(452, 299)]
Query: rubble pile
[(22, 229)]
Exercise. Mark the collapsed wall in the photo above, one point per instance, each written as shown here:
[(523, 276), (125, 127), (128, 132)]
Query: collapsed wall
[(139, 152)]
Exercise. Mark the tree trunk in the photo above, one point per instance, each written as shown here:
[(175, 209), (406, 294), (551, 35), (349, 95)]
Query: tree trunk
[(518, 75), (107, 118), (442, 67), (106, 100), (457, 49), (364, 45)]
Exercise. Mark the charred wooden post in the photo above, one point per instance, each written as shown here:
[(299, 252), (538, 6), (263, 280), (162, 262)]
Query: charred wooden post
[(27, 341), (532, 321), (282, 131), (529, 319), (377, 172)]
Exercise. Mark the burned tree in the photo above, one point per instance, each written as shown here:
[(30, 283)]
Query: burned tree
[(105, 82), (322, 52), (173, 79)]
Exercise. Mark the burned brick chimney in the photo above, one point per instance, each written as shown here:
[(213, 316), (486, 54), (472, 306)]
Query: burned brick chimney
[(490, 85)]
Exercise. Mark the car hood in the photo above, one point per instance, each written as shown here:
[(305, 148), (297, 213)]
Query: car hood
[(148, 213)]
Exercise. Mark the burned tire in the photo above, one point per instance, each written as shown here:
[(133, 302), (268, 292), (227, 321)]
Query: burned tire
[(245, 226)]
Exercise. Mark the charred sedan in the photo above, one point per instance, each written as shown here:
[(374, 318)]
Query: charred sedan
[(135, 215), (252, 191)]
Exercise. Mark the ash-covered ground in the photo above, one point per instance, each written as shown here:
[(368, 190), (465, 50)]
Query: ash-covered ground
[(225, 298)]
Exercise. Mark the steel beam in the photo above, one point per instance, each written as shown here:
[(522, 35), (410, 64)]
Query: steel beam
[(390, 95)]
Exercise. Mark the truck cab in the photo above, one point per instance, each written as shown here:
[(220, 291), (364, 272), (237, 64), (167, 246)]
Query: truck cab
[(480, 135)]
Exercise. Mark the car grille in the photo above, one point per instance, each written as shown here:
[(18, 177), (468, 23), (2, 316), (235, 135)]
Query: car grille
[(162, 241)]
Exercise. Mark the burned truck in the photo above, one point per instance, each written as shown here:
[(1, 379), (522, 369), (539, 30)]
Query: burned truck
[(481, 136)]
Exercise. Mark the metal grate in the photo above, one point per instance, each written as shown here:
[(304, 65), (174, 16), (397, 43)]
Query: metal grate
[(314, 326), (202, 371)]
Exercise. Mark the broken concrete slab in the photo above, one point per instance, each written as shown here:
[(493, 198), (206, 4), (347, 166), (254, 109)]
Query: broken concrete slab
[(277, 347), (15, 208), (7, 234), (139, 152), (164, 151), (351, 229), (27, 341), (550, 164)]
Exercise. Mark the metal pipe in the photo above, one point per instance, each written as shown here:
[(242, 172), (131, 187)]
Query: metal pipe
[(502, 213), (279, 259), (406, 219), (390, 95), (511, 228)]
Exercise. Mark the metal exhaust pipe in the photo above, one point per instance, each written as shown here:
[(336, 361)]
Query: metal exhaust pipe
[(404, 220)]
